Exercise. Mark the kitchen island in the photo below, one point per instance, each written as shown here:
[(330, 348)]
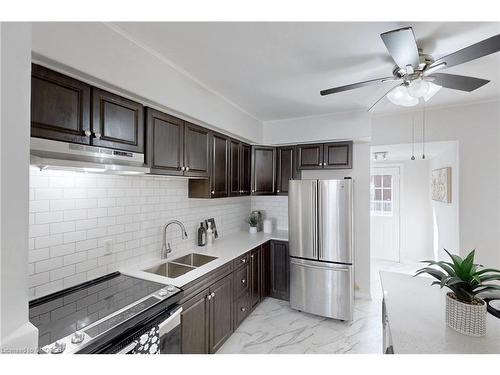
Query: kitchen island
[(414, 320)]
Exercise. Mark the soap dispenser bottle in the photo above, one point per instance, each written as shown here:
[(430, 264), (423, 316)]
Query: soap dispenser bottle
[(202, 235), (210, 234)]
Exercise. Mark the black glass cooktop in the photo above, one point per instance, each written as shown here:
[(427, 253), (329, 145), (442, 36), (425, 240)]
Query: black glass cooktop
[(65, 312)]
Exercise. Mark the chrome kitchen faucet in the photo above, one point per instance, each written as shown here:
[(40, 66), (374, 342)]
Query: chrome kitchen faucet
[(165, 247)]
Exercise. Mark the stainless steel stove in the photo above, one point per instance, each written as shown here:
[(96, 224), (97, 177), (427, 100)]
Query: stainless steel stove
[(102, 315)]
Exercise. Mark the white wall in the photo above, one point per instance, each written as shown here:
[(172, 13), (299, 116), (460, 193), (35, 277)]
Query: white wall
[(73, 214), (109, 56), (342, 126), (447, 214), (476, 128), (16, 333)]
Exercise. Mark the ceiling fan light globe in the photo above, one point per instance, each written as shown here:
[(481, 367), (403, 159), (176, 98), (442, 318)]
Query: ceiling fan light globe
[(418, 88), (400, 96), (433, 89)]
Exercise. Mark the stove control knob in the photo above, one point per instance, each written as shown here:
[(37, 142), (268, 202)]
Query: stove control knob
[(163, 292), (171, 288), (78, 337), (58, 348)]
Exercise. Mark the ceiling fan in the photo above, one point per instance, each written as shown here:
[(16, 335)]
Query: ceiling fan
[(415, 71)]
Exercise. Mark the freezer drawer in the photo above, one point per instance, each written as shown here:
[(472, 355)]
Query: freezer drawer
[(320, 288)]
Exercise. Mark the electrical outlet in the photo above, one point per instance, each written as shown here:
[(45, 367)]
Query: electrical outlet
[(108, 247)]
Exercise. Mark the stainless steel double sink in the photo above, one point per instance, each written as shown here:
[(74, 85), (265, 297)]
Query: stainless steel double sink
[(180, 266)]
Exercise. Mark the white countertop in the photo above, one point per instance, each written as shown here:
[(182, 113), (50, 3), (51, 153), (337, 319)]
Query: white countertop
[(224, 248), (416, 314)]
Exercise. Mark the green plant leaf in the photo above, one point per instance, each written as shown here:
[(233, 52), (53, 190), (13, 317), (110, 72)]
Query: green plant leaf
[(488, 277), (444, 265), (431, 271), (484, 287), (484, 270)]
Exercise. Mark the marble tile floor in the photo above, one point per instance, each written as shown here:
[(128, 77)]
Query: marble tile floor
[(274, 328)]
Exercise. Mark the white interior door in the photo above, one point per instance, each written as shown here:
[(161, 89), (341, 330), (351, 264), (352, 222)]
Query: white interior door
[(384, 213)]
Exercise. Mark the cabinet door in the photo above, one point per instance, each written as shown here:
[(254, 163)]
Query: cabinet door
[(255, 278), (196, 150), (265, 267), (60, 106), (245, 168), (117, 122), (280, 279), (338, 155), (234, 168), (285, 169), (221, 312), (263, 170), (241, 308), (165, 142), (219, 181), (195, 324), (310, 156)]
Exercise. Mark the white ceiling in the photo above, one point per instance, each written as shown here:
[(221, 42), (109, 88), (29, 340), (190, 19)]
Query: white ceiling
[(275, 70)]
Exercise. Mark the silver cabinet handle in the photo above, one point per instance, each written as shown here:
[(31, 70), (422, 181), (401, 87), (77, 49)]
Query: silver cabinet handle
[(187, 168), (243, 281), (88, 133), (209, 297), (183, 168), (213, 294), (251, 256), (213, 191), (277, 191), (97, 135), (243, 309), (243, 260), (253, 191)]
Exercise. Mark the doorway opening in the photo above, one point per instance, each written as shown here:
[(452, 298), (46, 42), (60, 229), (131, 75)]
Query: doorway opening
[(406, 224)]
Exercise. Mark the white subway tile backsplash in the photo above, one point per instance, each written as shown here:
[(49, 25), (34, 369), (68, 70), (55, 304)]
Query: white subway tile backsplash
[(73, 214), (274, 208)]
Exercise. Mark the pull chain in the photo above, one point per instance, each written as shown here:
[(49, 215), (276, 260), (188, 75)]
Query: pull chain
[(413, 137), (423, 133)]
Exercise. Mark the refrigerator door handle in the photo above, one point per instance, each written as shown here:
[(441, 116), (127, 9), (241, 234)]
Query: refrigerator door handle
[(315, 217), (320, 221), (330, 267)]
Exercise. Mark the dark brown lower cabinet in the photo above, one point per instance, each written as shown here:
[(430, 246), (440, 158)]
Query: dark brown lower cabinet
[(280, 274), (195, 324), (215, 304), (255, 276), (221, 312)]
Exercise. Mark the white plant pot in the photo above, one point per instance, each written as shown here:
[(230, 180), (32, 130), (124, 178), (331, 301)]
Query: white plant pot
[(466, 318), (252, 230)]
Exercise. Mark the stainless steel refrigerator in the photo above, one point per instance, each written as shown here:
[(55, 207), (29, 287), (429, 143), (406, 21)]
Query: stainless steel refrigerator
[(320, 225)]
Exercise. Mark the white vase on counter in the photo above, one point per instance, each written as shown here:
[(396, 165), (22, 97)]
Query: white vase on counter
[(466, 318), (252, 230)]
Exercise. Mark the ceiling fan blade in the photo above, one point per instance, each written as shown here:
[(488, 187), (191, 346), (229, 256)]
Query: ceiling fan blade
[(475, 51), (456, 82), (382, 97), (402, 47), (356, 85)]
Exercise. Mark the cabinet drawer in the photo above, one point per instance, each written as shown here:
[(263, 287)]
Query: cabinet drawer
[(242, 309), (241, 260), (241, 280)]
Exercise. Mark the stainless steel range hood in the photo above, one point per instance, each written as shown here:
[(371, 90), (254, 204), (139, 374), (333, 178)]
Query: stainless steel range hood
[(48, 154)]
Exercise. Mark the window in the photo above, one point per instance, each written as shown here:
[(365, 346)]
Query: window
[(381, 203)]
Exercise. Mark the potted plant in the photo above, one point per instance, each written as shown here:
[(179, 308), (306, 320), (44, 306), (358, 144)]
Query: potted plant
[(465, 311), (252, 221)]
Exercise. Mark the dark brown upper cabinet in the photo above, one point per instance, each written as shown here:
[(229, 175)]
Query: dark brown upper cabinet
[(60, 106), (337, 155), (245, 168), (310, 156), (165, 144), (220, 164), (285, 168), (196, 151), (263, 170), (117, 122), (239, 168)]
